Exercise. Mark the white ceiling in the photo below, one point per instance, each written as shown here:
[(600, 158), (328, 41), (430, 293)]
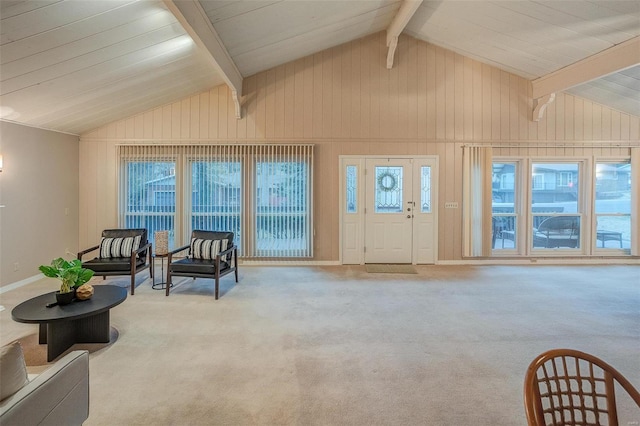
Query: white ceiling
[(74, 65), (262, 34)]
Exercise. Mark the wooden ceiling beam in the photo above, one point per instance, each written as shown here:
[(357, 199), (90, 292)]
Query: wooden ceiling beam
[(195, 21), (407, 9), (609, 61)]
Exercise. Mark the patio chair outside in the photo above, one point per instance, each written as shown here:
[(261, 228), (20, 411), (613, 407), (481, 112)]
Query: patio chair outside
[(558, 231)]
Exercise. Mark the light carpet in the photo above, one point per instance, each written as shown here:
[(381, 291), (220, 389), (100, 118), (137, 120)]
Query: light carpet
[(336, 345)]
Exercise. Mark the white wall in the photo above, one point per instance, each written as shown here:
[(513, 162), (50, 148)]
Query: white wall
[(39, 190)]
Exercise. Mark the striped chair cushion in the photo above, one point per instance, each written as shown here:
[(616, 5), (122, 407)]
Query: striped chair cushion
[(207, 249), (119, 247)]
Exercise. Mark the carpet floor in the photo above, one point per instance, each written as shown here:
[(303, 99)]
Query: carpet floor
[(339, 346)]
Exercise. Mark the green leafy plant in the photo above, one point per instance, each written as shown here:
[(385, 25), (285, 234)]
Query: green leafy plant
[(71, 273)]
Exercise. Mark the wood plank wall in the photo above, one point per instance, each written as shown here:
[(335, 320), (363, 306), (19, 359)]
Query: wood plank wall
[(346, 102)]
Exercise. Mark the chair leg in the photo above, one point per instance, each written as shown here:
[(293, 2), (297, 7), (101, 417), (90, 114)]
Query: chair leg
[(133, 284), (168, 284), (236, 272), (217, 286)]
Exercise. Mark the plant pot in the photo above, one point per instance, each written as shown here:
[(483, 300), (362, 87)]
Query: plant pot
[(65, 298)]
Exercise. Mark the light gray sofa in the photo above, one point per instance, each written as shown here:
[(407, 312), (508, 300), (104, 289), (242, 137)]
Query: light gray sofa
[(57, 396)]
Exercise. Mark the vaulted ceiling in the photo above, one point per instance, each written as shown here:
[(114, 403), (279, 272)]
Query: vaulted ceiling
[(74, 65)]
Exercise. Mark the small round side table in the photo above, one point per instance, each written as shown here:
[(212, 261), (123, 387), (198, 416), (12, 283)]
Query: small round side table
[(160, 285)]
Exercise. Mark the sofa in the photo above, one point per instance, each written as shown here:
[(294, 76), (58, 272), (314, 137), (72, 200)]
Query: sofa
[(57, 396)]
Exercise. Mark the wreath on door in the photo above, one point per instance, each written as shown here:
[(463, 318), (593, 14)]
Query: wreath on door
[(387, 182)]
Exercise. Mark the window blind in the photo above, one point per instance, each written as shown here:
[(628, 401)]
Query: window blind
[(147, 189), (262, 193)]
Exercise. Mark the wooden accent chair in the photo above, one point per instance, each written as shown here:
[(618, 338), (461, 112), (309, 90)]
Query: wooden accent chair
[(121, 252), (211, 254), (569, 387)]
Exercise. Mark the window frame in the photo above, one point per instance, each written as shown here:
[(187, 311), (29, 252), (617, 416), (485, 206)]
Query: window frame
[(585, 207), (583, 185), (519, 218), (594, 223)]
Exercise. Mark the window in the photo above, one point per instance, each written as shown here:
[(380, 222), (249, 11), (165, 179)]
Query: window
[(537, 182), (215, 196), (565, 179), (504, 218), (148, 194), (351, 192), (568, 210), (553, 227), (388, 193), (262, 193), (282, 216), (425, 189), (613, 205)]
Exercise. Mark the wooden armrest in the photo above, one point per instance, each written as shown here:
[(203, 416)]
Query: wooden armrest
[(143, 248), (83, 252), (179, 249), (136, 253), (174, 251), (224, 254), (227, 251)]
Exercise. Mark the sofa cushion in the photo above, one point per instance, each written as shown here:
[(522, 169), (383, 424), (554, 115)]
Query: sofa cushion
[(13, 370), (207, 249), (119, 246)]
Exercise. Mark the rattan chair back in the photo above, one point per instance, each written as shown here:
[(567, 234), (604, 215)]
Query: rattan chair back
[(569, 387)]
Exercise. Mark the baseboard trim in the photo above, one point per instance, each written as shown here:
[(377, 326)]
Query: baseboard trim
[(528, 261), (544, 261), (502, 261), (288, 262), (20, 283)]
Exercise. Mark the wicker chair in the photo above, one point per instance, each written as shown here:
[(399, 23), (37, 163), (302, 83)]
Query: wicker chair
[(569, 387)]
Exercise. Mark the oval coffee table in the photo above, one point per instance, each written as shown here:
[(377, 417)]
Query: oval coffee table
[(85, 321)]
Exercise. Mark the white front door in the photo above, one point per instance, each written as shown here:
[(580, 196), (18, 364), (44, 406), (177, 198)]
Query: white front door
[(389, 211)]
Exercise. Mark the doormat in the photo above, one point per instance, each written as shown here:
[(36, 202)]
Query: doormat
[(378, 268)]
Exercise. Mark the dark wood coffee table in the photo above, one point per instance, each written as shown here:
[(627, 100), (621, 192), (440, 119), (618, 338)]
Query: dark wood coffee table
[(84, 321)]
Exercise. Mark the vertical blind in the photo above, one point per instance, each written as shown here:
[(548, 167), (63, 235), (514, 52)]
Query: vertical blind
[(262, 193), (147, 189)]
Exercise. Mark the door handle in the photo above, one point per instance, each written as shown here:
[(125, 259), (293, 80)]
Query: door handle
[(408, 216)]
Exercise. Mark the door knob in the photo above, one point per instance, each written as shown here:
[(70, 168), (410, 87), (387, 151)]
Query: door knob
[(408, 216)]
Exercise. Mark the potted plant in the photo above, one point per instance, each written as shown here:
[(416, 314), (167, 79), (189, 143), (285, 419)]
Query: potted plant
[(71, 274)]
